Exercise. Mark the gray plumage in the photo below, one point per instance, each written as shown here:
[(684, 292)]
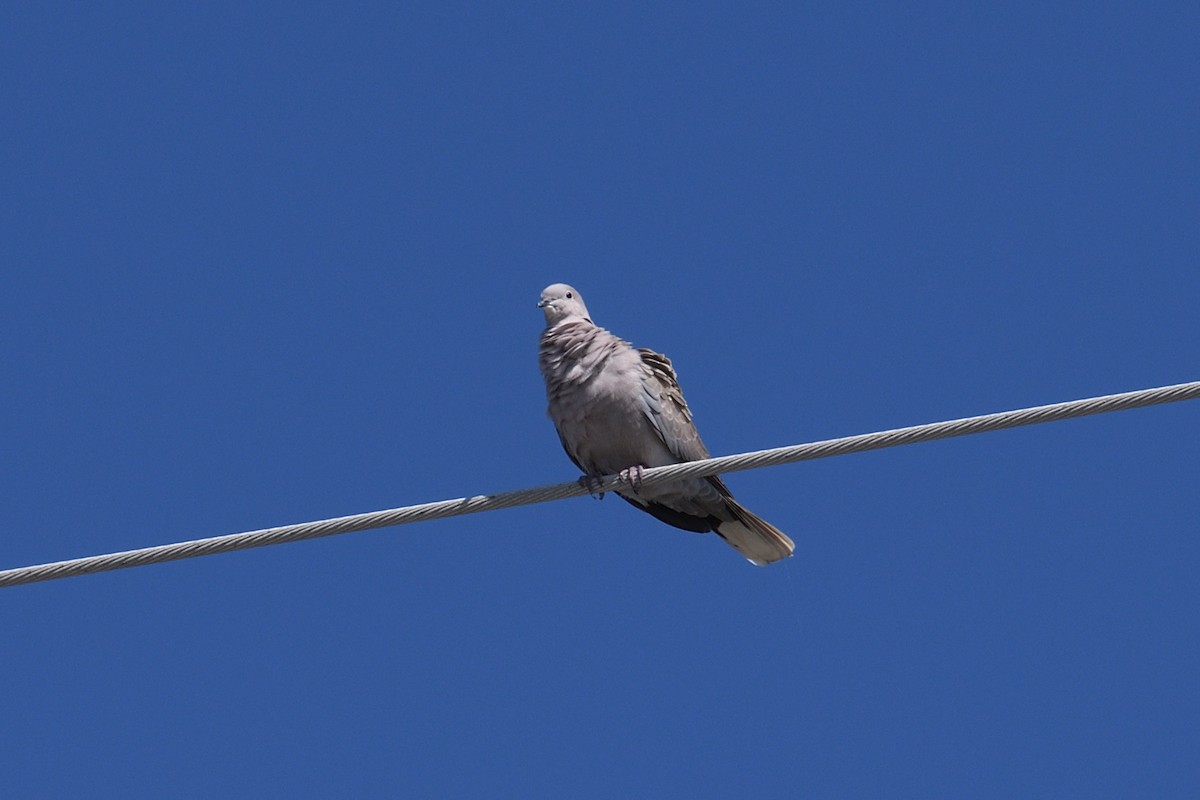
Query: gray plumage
[(616, 407)]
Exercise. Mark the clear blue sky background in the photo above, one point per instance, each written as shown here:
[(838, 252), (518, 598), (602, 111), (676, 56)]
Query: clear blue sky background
[(272, 262)]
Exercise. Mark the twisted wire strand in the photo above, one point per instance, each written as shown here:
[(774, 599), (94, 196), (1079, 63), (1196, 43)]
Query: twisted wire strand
[(692, 469)]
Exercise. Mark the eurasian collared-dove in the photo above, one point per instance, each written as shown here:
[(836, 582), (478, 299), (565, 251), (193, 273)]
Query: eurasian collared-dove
[(618, 409)]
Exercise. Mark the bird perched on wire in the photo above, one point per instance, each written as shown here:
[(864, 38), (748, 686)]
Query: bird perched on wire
[(618, 409)]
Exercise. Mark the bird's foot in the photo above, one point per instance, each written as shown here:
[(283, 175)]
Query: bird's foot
[(592, 484), (633, 476)]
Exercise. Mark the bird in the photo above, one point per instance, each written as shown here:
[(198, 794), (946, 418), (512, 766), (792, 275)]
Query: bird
[(619, 409)]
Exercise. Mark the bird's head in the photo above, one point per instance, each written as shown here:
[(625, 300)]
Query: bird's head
[(559, 302)]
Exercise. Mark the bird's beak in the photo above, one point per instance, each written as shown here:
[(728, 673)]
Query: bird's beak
[(542, 303)]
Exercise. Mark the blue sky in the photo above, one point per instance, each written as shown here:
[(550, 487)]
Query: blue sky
[(278, 262)]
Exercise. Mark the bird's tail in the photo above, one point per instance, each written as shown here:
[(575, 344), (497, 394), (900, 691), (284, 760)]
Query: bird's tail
[(754, 537)]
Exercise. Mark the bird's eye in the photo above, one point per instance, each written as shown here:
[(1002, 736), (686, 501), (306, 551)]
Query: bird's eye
[(569, 295)]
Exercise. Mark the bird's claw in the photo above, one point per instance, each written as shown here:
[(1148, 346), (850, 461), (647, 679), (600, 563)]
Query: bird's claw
[(633, 476), (592, 484)]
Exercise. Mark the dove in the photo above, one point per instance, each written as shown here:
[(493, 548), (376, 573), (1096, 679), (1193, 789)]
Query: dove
[(619, 410)]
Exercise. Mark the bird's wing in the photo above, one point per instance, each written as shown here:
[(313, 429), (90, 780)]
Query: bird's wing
[(666, 409)]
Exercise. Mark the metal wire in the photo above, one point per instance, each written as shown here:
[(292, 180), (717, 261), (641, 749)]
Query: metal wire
[(692, 469)]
